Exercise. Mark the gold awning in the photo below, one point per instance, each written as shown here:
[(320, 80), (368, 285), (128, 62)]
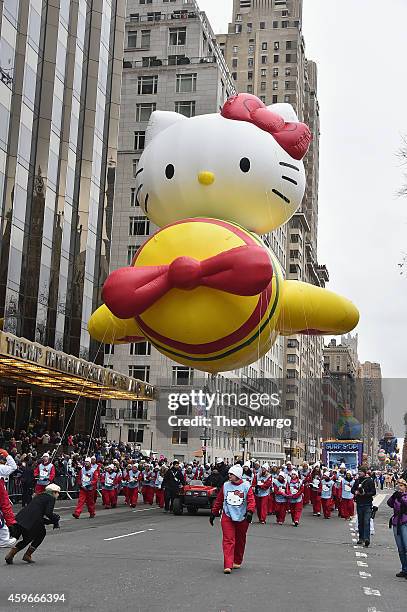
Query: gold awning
[(29, 363)]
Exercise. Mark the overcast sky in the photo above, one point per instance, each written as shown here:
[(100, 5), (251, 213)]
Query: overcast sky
[(361, 54)]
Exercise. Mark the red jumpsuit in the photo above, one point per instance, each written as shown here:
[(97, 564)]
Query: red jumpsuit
[(262, 501), (234, 532), (109, 498), (87, 480), (295, 505), (5, 505), (307, 490), (316, 495), (281, 490)]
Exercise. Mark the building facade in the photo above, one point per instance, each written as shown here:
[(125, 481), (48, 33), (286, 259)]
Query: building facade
[(265, 50), (172, 62), (60, 72)]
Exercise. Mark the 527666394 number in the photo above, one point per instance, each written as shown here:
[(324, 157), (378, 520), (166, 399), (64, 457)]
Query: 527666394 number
[(36, 598)]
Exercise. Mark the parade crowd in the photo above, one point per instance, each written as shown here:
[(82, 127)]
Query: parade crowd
[(114, 470)]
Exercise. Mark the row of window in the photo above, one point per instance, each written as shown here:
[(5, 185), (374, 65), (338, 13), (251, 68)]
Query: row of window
[(289, 44), (176, 37), (289, 99), (181, 375), (148, 85), (135, 348), (290, 58)]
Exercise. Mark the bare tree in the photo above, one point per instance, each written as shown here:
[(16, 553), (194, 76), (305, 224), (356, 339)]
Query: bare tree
[(402, 155)]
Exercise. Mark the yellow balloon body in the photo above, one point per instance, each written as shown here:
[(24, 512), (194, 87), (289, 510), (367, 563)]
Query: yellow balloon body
[(208, 329)]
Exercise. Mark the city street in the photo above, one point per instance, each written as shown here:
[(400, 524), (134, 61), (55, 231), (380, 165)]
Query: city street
[(146, 560)]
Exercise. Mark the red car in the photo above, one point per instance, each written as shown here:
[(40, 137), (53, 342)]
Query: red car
[(194, 496)]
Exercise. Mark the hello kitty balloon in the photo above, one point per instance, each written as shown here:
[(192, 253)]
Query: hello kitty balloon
[(205, 290)]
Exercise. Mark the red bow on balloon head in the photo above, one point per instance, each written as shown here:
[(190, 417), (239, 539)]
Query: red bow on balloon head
[(292, 137), (245, 270)]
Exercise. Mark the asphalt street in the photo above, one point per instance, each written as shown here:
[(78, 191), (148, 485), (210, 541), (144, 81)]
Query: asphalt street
[(147, 561)]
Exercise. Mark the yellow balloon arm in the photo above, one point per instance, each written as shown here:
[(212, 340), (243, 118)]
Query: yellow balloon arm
[(310, 309), (105, 327)]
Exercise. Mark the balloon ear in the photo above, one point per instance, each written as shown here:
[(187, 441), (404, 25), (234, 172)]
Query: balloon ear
[(286, 111), (160, 121)]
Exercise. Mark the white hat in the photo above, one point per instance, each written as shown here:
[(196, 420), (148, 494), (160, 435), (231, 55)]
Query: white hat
[(237, 470), (294, 473), (265, 466), (111, 466), (282, 474), (342, 466), (317, 465), (53, 488), (88, 460), (45, 455), (326, 474), (219, 460), (93, 457), (246, 464)]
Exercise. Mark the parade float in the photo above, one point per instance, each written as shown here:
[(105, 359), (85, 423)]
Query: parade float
[(346, 448), (204, 289), (388, 451)]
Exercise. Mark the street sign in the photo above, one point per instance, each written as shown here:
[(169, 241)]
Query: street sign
[(312, 443), (312, 450)]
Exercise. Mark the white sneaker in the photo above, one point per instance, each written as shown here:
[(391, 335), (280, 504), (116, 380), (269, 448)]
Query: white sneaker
[(8, 543)]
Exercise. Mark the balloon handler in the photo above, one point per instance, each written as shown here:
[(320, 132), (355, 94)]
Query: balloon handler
[(236, 501), (31, 521)]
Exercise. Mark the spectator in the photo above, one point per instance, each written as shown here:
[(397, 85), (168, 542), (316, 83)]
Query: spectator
[(398, 501)]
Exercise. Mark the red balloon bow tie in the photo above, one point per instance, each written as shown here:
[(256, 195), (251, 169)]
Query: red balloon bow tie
[(293, 137), (245, 270)]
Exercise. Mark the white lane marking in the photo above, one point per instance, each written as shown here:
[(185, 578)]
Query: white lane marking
[(362, 564), (369, 591), (144, 509), (359, 554), (365, 575), (373, 610), (126, 535), (379, 499)]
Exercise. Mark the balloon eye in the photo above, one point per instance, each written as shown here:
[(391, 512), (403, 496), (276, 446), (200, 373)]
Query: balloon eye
[(169, 171), (245, 164)]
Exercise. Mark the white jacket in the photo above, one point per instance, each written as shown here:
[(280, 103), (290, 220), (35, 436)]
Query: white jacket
[(8, 468)]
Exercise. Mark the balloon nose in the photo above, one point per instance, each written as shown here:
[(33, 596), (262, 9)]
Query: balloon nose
[(206, 178)]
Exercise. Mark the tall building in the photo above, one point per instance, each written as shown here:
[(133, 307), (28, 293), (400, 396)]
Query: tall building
[(265, 51), (370, 380), (60, 70), (171, 62)]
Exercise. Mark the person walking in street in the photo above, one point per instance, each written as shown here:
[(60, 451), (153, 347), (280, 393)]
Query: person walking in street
[(327, 501), (172, 482), (31, 521), (262, 483), (398, 501), (364, 491), (295, 500), (44, 474), (347, 506), (281, 497), (87, 480), (236, 501)]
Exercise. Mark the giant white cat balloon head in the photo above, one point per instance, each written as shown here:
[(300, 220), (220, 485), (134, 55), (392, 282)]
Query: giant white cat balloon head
[(242, 165)]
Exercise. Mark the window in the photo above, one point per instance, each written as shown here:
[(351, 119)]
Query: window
[(264, 46), (136, 435), (234, 76), (289, 44), (151, 60), (250, 62), (284, 24), (293, 267), (275, 85), (250, 76), (177, 60), (275, 24), (133, 196), (182, 375), (137, 410), (109, 349), (263, 99), (276, 59), (234, 62), (132, 39), (131, 253), (284, 13), (263, 72), (143, 111), (134, 166), (288, 71), (179, 436), (145, 39), (295, 238), (249, 27), (292, 359), (292, 343), (292, 374), (249, 88), (262, 25), (140, 348), (287, 98), (238, 28), (147, 84), (185, 108), (140, 372), (289, 58), (186, 83), (139, 226), (235, 49), (251, 49), (289, 84), (139, 140), (275, 99), (238, 17), (263, 86), (276, 46), (178, 36), (275, 72), (146, 1), (264, 59)]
